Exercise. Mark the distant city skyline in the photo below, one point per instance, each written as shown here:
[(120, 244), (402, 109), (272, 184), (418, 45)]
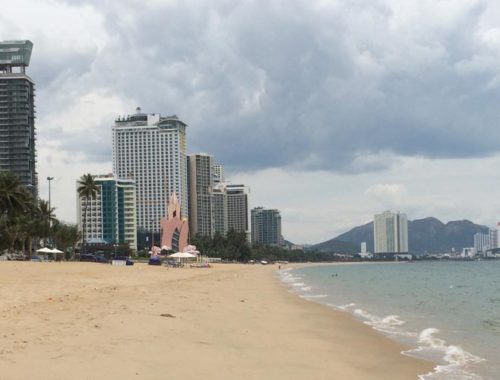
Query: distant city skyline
[(330, 117)]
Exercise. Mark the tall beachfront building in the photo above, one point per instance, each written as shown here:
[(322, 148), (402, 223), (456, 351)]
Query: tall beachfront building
[(481, 242), (151, 149), (220, 215), (266, 226), (493, 237), (200, 183), (237, 208), (17, 113), (390, 231), (218, 173), (230, 208), (111, 216)]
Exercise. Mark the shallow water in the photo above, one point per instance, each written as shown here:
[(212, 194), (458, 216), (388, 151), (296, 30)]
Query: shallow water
[(448, 312)]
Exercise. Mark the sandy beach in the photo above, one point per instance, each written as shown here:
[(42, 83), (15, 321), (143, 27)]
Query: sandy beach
[(96, 321)]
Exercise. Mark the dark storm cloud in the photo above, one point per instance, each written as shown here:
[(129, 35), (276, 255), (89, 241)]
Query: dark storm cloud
[(291, 83)]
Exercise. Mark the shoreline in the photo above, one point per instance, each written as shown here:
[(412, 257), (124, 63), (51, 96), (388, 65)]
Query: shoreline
[(348, 318), (96, 321)]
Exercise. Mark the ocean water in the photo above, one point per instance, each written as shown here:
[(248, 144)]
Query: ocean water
[(446, 312)]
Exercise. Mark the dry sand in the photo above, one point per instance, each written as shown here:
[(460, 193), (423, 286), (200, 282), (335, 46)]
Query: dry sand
[(96, 321)]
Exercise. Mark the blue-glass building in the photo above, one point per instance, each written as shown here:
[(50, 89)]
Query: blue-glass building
[(111, 216)]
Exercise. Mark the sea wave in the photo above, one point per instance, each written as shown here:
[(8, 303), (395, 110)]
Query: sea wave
[(343, 307), (454, 359), (314, 296)]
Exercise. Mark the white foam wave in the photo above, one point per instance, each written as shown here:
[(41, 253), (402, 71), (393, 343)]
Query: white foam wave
[(345, 307), (290, 279), (393, 320), (313, 296), (454, 358), (390, 325)]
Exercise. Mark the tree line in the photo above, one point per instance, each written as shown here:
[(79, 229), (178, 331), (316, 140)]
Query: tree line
[(27, 223), (235, 247)]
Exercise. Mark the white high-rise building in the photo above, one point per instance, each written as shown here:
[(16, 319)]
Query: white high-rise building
[(230, 208), (218, 173), (201, 221), (363, 247), (151, 149), (481, 242), (390, 231), (493, 237), (219, 201), (237, 208)]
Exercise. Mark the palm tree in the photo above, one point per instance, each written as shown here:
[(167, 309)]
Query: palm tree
[(13, 195), (88, 189), (46, 216), (15, 202), (67, 235)]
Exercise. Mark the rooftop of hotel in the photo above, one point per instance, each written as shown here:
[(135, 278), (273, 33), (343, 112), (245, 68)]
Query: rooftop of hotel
[(140, 118), (15, 53)]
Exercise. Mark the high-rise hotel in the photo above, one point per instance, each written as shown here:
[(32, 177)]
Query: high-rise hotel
[(151, 150), (390, 231), (200, 183), (266, 226), (17, 113), (214, 206), (110, 216)]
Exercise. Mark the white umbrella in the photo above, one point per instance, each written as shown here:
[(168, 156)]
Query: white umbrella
[(182, 255), (45, 250), (55, 250)]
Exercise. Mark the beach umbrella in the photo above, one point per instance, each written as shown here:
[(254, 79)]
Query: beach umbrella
[(44, 250), (182, 255)]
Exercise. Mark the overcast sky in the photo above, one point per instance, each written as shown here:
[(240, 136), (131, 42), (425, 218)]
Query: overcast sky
[(328, 110)]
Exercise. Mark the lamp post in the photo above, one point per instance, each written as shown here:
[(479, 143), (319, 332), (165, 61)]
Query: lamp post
[(49, 179), (152, 236)]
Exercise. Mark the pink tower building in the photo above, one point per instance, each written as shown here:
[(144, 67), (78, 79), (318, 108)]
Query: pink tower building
[(174, 229)]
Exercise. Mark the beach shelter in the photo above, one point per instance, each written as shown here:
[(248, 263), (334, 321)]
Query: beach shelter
[(44, 250), (182, 255), (56, 252)]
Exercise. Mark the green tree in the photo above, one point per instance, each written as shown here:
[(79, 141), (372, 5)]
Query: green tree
[(67, 236), (46, 216), (15, 202), (13, 195), (87, 189)]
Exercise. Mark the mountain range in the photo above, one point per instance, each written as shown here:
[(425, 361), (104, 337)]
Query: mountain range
[(428, 235)]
